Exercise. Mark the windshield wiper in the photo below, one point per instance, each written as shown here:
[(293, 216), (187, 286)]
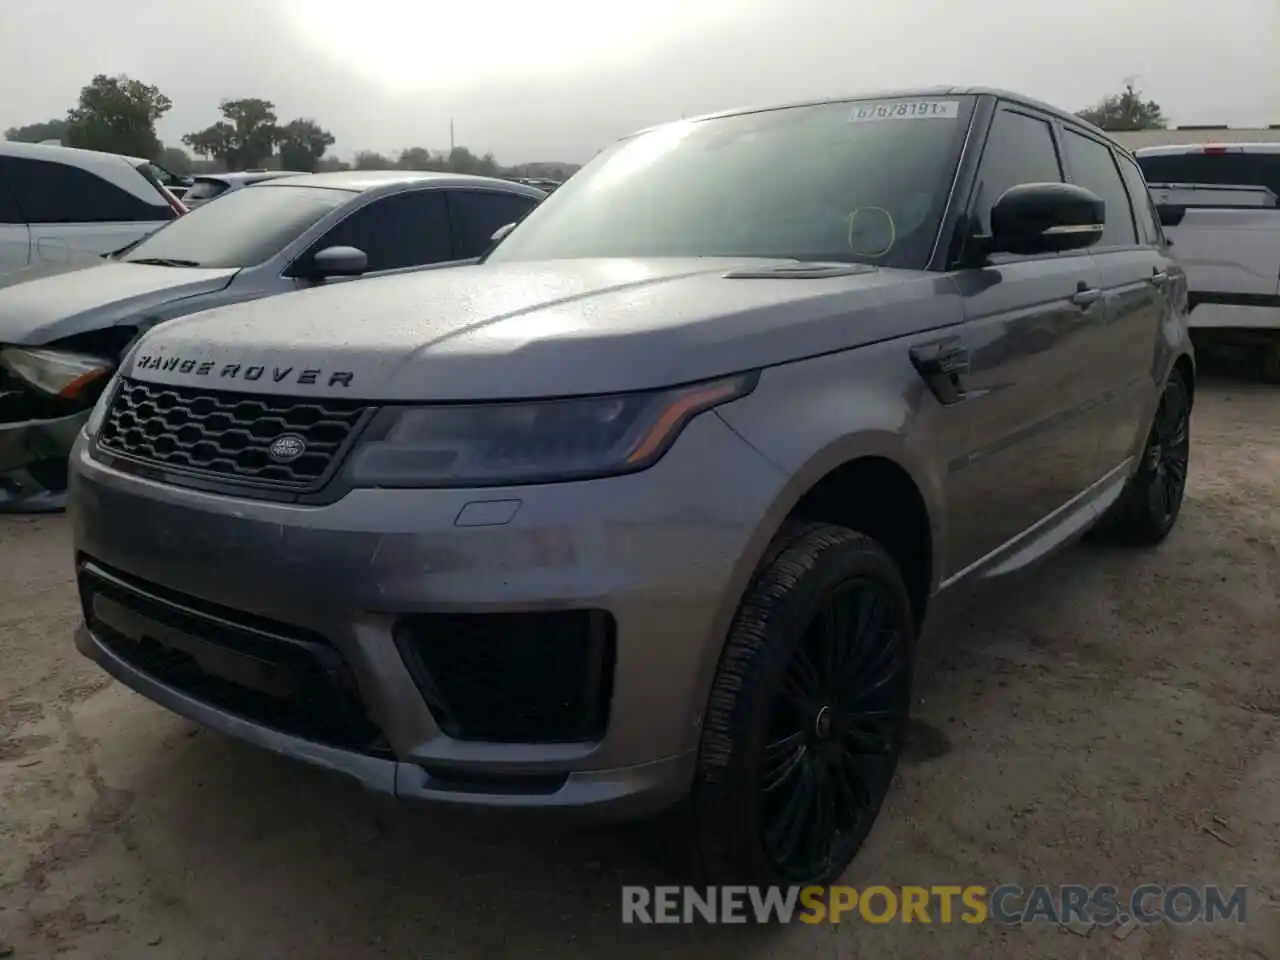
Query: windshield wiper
[(164, 262)]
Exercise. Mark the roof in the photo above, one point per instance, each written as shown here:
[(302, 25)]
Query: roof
[(49, 151), (937, 91), (359, 181)]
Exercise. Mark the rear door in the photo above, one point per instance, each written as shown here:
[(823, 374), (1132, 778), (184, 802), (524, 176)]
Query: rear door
[(15, 237), (478, 214), (73, 212), (1032, 444), (1133, 269)]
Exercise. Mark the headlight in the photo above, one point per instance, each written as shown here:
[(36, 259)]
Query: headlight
[(56, 372), (492, 444)]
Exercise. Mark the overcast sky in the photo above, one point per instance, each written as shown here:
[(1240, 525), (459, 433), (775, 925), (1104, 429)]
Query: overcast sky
[(558, 80)]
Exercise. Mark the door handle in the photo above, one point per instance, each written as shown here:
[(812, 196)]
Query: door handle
[(1159, 278), (1085, 295), (944, 366)]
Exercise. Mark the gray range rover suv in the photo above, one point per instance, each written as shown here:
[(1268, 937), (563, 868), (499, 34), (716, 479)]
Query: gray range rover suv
[(645, 511)]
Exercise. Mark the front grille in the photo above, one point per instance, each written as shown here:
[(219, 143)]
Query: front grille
[(228, 436), (514, 677), (316, 697)]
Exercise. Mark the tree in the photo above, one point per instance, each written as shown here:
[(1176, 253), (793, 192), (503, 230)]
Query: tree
[(372, 160), (118, 115), (302, 144), (55, 129), (175, 160), (419, 158), (1125, 111), (245, 136)]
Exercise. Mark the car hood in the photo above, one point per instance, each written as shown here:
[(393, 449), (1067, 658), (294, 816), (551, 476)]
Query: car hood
[(48, 302), (549, 328)]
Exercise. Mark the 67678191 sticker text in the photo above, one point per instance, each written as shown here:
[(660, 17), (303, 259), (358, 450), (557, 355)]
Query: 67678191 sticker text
[(905, 110)]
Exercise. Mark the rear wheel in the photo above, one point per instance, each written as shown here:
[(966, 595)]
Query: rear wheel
[(807, 713), (1152, 499)]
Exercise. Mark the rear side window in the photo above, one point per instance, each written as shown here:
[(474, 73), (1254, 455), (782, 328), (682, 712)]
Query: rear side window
[(1144, 209), (403, 230), (479, 213), (50, 192), (206, 189), (1019, 150), (1221, 169)]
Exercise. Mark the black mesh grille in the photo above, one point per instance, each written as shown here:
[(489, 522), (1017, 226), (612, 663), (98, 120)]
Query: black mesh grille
[(514, 677), (318, 699), (228, 435)]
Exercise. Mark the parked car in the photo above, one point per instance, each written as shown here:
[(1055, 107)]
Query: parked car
[(63, 328), (645, 510), (209, 186), (57, 202), (1219, 206)]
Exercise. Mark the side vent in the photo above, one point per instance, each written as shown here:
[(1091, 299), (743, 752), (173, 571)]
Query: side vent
[(944, 366)]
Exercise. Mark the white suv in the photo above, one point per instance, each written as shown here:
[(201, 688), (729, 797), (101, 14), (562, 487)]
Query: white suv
[(56, 202)]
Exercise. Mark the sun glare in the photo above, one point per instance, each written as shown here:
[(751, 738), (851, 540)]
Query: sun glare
[(406, 45)]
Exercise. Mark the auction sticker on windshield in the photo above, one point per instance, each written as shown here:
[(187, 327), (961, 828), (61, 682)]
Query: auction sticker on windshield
[(906, 110)]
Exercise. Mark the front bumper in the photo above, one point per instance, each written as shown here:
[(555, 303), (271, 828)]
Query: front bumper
[(33, 457), (664, 553)]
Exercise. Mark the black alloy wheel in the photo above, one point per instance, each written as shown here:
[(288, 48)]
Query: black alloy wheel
[(835, 732)]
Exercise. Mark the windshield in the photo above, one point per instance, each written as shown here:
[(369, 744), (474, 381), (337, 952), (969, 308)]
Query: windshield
[(243, 229), (862, 181)]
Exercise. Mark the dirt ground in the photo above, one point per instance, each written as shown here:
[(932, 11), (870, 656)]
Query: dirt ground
[(1091, 726)]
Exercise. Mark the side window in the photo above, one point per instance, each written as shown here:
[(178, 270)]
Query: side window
[(479, 213), (9, 212), (1094, 167), (1019, 150), (1144, 210), (59, 193), (403, 230)]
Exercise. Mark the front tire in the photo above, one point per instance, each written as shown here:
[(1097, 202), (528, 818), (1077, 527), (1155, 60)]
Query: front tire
[(807, 713), (1152, 499)]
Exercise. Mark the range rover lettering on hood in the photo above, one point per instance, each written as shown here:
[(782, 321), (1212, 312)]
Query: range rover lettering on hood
[(245, 372)]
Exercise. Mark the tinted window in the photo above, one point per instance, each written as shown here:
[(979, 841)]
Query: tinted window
[(479, 213), (51, 192), (206, 189), (1144, 209), (242, 229), (856, 181), (1094, 167), (1223, 169), (404, 230), (1019, 150), (9, 212)]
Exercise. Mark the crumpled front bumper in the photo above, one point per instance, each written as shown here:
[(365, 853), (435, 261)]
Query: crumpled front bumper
[(33, 462)]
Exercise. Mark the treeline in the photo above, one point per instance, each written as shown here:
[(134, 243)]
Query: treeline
[(119, 115)]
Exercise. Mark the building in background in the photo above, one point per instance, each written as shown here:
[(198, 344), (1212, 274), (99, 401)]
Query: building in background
[(1198, 133)]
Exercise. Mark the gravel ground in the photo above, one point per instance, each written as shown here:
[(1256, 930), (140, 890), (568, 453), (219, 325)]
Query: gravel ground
[(1113, 719)]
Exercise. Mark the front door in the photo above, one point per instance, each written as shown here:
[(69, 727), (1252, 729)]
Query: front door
[(1032, 446)]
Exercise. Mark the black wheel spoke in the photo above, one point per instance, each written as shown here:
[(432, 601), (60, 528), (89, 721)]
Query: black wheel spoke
[(788, 827), (853, 795), (875, 676), (822, 825), (837, 631), (782, 758)]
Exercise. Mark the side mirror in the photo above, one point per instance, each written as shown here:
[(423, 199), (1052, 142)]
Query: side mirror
[(1036, 218), (501, 232), (339, 262)]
